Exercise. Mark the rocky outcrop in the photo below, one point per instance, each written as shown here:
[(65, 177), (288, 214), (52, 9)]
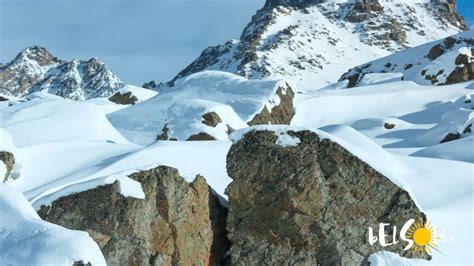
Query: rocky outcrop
[(450, 137), (282, 113), (9, 160), (200, 137), (464, 70), (426, 64), (307, 204), (35, 69), (178, 223), (211, 119), (149, 85), (126, 98)]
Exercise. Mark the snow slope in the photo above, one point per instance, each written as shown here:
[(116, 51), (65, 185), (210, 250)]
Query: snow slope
[(428, 64), (25, 239), (143, 122)]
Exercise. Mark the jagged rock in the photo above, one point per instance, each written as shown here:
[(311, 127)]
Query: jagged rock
[(211, 119), (309, 204), (178, 223), (388, 125), (35, 69), (201, 136), (368, 6), (9, 160), (451, 137), (279, 114), (149, 85), (435, 52), (461, 74), (125, 98), (468, 129)]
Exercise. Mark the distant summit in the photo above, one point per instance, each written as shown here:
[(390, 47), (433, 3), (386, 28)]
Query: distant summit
[(36, 69), (314, 42)]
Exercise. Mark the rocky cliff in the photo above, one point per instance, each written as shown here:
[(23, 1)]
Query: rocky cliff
[(443, 62), (297, 199), (36, 69), (177, 222), (312, 43)]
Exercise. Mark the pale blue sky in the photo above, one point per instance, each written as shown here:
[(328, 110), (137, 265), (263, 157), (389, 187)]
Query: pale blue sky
[(139, 39)]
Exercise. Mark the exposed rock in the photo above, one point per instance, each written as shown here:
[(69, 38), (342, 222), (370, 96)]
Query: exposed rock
[(449, 42), (125, 98), (201, 136), (279, 114), (461, 74), (211, 119), (435, 52), (368, 6), (309, 204), (178, 223), (3, 99), (149, 85), (451, 137), (9, 160), (388, 125), (461, 59), (468, 129)]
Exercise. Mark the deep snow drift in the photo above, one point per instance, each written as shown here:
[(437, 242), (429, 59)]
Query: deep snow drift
[(26, 239)]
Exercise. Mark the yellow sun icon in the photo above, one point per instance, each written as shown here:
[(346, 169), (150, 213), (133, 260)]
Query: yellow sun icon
[(424, 237)]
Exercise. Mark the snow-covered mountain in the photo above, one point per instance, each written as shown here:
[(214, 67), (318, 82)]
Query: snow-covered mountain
[(36, 69), (313, 42), (446, 61)]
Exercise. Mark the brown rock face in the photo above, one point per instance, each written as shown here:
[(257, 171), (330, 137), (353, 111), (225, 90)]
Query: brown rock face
[(201, 136), (281, 113), (435, 52), (9, 160), (309, 204), (126, 98), (368, 6), (451, 137), (211, 119), (177, 223)]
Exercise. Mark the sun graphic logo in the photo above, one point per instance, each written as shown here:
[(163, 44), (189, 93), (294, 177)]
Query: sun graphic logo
[(421, 237), (424, 237)]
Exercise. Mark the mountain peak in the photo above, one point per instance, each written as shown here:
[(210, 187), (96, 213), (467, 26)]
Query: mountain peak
[(36, 69), (314, 41), (38, 54)]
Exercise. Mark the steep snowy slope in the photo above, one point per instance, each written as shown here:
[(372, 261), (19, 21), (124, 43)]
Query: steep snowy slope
[(35, 69), (311, 43), (446, 61), (25, 239)]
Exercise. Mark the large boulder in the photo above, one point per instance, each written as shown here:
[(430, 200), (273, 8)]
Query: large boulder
[(177, 222), (299, 199)]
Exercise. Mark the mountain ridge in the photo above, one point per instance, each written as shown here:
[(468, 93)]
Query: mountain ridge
[(36, 69), (314, 41)]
